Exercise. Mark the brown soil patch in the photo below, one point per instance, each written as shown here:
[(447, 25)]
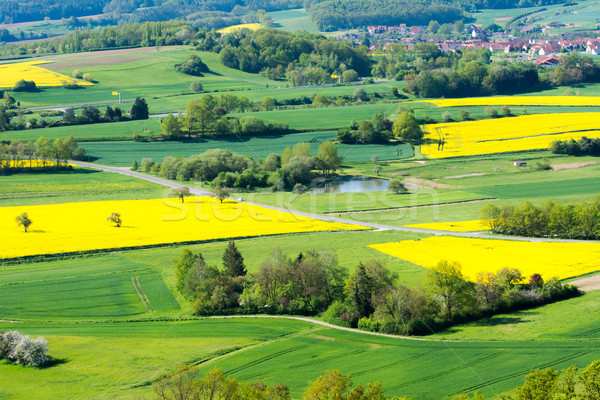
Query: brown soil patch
[(502, 19), (587, 284), (96, 58), (573, 165), (433, 185)]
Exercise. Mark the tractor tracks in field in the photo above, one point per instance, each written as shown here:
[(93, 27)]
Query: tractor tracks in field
[(141, 294)]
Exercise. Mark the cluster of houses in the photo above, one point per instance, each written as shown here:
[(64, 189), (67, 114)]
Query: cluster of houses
[(545, 52)]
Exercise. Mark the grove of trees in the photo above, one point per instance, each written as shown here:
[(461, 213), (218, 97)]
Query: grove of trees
[(570, 221), (370, 297), (17, 156)]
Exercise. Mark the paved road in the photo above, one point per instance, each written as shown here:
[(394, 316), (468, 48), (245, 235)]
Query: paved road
[(328, 218)]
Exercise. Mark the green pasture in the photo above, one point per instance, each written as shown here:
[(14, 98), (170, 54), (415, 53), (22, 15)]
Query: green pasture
[(120, 360), (293, 20), (564, 320), (78, 184), (123, 153), (102, 360), (152, 76), (359, 201), (420, 215), (324, 118), (277, 90)]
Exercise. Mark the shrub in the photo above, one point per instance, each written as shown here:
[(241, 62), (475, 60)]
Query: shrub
[(193, 66), (446, 116), (23, 350), (24, 86), (88, 77), (77, 74), (196, 87)]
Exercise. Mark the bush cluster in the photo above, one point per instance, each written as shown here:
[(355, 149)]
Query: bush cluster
[(22, 349)]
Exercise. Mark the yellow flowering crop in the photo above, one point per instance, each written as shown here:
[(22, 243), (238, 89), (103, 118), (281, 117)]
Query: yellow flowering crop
[(82, 226), (11, 73), (239, 27), (526, 132), (462, 226), (518, 101), (26, 163), (548, 259)]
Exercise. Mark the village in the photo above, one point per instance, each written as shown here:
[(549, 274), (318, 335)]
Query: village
[(533, 43)]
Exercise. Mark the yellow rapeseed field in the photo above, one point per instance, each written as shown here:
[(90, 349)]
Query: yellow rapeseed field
[(11, 73), (81, 226), (239, 27), (548, 259), (462, 226), (518, 101), (526, 132)]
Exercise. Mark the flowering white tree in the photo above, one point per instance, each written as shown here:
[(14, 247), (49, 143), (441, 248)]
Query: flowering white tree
[(22, 349)]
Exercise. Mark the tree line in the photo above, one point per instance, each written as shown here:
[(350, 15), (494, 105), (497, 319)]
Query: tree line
[(20, 156), (88, 115), (582, 147), (207, 116), (369, 298), (577, 220), (293, 169), (186, 384)]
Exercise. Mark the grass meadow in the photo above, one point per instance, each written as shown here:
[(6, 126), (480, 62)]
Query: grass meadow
[(293, 20)]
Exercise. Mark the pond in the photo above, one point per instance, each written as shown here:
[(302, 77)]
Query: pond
[(352, 184)]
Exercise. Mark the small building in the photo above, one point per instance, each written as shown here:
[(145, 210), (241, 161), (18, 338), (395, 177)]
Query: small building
[(520, 163)]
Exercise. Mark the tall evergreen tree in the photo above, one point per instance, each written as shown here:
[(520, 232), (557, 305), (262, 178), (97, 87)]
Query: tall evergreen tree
[(233, 262), (139, 110)]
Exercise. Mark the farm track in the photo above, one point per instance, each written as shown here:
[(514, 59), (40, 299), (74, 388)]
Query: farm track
[(199, 192)]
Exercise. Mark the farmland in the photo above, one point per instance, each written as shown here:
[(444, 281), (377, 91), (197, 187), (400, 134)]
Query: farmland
[(106, 297), (527, 132), (123, 153), (519, 101), (146, 222), (11, 73), (77, 184), (549, 259)]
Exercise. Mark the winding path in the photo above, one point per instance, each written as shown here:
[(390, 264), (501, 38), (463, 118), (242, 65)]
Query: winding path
[(200, 192)]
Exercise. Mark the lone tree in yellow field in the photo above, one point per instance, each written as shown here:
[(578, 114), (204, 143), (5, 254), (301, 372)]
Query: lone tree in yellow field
[(24, 221), (181, 192), (116, 218)]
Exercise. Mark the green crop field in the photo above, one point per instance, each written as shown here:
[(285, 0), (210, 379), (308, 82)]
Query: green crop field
[(360, 201), (78, 184), (564, 320), (81, 289), (123, 153), (275, 351), (293, 20), (123, 130)]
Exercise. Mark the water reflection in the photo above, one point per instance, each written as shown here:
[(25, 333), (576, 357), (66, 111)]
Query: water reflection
[(352, 184)]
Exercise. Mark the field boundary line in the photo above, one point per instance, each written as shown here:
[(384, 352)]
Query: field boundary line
[(138, 292), (142, 290)]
